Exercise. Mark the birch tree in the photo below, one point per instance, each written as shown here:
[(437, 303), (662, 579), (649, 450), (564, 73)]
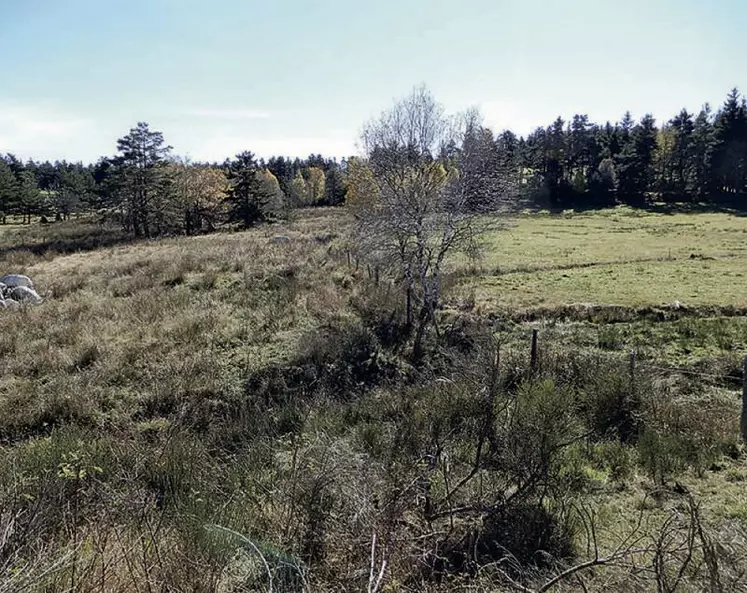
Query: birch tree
[(424, 203)]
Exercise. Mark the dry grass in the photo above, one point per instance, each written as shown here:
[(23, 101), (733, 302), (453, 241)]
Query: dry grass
[(168, 386), (150, 324)]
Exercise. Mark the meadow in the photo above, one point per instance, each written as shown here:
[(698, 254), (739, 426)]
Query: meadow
[(618, 257), (670, 286), (235, 412)]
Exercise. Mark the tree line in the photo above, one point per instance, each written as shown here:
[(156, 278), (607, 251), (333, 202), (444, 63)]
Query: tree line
[(690, 158), (151, 191)]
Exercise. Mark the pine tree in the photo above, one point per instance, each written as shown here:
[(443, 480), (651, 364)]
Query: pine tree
[(478, 167), (683, 155), (582, 153), (138, 177), (248, 198), (8, 190), (508, 150), (703, 142), (282, 169), (730, 146), (334, 187), (555, 159), (635, 163), (29, 201), (608, 141)]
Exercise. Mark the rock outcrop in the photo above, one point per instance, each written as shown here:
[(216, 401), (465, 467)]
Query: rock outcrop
[(17, 290), (14, 280)]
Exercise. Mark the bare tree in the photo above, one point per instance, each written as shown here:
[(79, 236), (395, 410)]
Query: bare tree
[(432, 197)]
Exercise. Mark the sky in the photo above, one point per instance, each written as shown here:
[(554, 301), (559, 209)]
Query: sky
[(295, 77)]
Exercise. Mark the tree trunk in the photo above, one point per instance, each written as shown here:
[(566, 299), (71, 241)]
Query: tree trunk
[(417, 347), (408, 306)]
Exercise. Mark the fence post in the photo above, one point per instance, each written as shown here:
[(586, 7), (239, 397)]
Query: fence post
[(743, 419), (632, 373), (534, 349)]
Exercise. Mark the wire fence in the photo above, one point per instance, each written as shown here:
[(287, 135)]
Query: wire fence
[(635, 366)]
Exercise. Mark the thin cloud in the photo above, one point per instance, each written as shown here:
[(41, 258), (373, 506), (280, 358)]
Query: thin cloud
[(24, 130), (234, 114)]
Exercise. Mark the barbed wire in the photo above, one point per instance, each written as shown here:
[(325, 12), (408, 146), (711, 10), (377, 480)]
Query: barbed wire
[(687, 372), (624, 357)]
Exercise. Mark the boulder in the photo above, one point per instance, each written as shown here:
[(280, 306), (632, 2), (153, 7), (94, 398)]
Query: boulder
[(280, 239), (24, 294), (14, 280), (9, 304)]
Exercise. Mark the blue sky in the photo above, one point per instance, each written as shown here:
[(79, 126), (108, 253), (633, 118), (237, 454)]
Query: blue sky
[(297, 76)]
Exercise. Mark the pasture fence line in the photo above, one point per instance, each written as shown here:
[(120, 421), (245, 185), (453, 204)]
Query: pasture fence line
[(634, 366)]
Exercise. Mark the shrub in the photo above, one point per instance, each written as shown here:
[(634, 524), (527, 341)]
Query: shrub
[(345, 357), (660, 455), (529, 535), (612, 408), (382, 309), (693, 430)]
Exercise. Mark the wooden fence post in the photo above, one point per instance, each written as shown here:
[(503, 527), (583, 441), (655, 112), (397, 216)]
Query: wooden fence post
[(743, 419), (534, 350)]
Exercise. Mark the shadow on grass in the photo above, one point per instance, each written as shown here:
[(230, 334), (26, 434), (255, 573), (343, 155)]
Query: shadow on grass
[(64, 238), (734, 204)]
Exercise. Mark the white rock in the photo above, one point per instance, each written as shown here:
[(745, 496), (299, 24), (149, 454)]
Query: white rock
[(280, 239), (24, 294), (14, 280), (9, 304)]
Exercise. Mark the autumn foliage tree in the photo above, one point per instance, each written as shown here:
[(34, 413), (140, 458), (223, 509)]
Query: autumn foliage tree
[(276, 198), (315, 185), (200, 192)]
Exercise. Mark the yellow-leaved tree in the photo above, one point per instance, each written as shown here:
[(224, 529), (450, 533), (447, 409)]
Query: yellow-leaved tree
[(271, 185), (315, 185), (363, 192), (299, 190), (200, 192)]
